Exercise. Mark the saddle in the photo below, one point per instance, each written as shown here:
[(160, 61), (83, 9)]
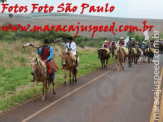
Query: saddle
[(50, 67), (135, 51), (125, 50)]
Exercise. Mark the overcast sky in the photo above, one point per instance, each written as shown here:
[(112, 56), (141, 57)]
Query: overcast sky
[(123, 8)]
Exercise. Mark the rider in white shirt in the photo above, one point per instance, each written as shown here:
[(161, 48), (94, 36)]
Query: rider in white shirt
[(71, 46)]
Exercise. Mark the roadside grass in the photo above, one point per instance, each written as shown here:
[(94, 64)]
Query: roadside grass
[(15, 85)]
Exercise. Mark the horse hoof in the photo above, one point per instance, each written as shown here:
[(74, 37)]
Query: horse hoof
[(54, 93), (64, 83), (43, 100)]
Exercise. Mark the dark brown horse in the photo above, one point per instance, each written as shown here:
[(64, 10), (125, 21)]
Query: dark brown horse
[(69, 64), (161, 47), (149, 54), (130, 56), (113, 48), (104, 56)]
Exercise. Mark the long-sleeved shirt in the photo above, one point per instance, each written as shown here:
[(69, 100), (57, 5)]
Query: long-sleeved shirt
[(71, 45), (51, 53)]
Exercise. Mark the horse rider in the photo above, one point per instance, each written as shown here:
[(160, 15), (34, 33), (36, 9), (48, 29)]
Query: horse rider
[(46, 54), (137, 45), (143, 46), (122, 45), (148, 45), (71, 46), (113, 44), (121, 41), (133, 42), (106, 47)]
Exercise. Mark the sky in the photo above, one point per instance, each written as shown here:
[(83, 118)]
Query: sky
[(152, 9)]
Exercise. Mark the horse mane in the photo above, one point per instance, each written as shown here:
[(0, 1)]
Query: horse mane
[(41, 64)]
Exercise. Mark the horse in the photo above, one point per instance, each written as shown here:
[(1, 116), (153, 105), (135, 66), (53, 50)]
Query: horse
[(113, 48), (137, 55), (39, 70), (161, 47), (70, 65), (149, 54), (130, 56), (102, 54), (142, 57), (120, 57)]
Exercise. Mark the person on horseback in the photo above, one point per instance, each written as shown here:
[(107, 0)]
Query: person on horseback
[(106, 47), (121, 41), (143, 46), (71, 46), (133, 42), (113, 44), (46, 54), (122, 45)]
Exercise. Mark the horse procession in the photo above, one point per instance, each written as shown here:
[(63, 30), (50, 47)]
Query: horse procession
[(132, 52), (44, 68)]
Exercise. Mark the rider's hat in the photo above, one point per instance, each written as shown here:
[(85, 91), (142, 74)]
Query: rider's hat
[(121, 38), (132, 38), (46, 41), (70, 38), (106, 41)]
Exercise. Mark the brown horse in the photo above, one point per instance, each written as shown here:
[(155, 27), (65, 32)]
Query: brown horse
[(102, 54), (137, 55), (40, 72), (130, 56), (113, 48), (70, 65), (120, 57)]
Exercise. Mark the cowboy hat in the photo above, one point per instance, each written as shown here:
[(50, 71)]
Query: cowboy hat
[(106, 41), (132, 38), (70, 38), (121, 38), (46, 41)]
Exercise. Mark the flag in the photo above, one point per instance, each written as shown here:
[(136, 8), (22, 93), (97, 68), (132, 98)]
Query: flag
[(126, 40), (146, 35)]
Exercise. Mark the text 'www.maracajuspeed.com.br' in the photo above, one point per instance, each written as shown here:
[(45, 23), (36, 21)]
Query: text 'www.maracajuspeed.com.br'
[(78, 28)]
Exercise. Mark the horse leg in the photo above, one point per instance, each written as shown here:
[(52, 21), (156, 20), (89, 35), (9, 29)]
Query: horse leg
[(75, 76), (106, 62), (65, 75), (129, 62), (118, 65), (54, 92), (123, 65), (70, 75), (44, 91), (35, 90)]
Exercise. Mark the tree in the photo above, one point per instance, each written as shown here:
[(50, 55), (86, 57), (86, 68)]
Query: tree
[(10, 15), (3, 1)]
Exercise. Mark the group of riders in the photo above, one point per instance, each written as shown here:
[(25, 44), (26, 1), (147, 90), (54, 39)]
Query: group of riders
[(109, 46), (132, 49), (46, 54), (46, 51)]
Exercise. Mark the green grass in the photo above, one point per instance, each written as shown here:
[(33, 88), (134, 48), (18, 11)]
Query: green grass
[(15, 85)]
